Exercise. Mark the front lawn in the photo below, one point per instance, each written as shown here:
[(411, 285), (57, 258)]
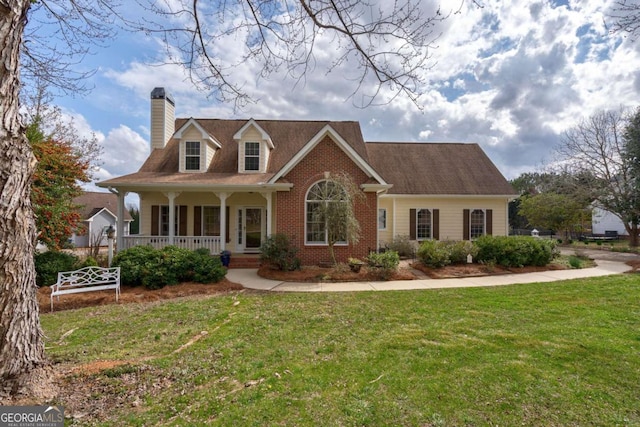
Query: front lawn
[(549, 354)]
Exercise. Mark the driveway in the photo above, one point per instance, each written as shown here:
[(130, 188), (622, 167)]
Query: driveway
[(602, 254)]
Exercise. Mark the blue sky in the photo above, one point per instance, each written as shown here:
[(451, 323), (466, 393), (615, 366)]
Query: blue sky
[(511, 76)]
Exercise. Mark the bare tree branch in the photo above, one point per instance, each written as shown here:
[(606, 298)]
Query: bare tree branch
[(626, 18), (391, 47), (596, 147)]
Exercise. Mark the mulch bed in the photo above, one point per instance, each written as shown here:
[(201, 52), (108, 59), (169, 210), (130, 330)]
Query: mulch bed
[(314, 274), (130, 295)]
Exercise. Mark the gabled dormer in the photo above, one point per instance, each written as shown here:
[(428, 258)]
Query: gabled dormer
[(197, 147), (254, 147)]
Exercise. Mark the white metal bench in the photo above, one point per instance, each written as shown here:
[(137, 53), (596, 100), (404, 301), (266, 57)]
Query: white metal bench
[(86, 279)]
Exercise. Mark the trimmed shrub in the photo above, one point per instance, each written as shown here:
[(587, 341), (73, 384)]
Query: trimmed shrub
[(403, 245), (89, 262), (49, 264), (385, 263), (434, 254), (279, 253), (208, 269), (575, 262), (154, 269), (133, 263), (516, 251), (459, 250), (179, 263)]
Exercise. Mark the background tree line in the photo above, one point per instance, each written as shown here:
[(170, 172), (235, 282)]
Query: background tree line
[(595, 165)]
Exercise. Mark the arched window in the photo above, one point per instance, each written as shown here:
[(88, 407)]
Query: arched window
[(318, 209)]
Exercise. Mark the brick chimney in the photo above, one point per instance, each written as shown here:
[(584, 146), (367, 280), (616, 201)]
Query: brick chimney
[(162, 117)]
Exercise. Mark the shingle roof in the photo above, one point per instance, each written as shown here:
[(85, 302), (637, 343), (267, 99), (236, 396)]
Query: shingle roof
[(412, 168), (437, 168), (92, 202), (288, 136)]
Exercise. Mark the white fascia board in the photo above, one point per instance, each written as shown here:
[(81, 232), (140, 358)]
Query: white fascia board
[(205, 135), (348, 150), (90, 219), (263, 134), (240, 188), (375, 188)]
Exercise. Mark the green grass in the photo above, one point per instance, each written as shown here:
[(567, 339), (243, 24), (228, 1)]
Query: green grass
[(559, 354)]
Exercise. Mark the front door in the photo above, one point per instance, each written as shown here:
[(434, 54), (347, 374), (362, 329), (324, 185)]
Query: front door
[(252, 228)]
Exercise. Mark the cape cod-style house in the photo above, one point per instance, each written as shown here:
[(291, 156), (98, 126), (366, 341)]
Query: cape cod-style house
[(227, 184)]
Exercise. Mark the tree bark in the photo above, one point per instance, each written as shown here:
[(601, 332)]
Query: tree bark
[(22, 359), (632, 229)]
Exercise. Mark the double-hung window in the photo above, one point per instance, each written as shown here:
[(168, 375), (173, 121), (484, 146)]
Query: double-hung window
[(192, 156), (210, 220), (476, 223), (251, 156), (164, 220), (424, 225)]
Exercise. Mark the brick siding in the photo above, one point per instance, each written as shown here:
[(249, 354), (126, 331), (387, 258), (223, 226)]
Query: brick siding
[(327, 156)]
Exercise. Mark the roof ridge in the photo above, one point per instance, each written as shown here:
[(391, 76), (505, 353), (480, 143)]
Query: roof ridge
[(270, 120), (422, 142)]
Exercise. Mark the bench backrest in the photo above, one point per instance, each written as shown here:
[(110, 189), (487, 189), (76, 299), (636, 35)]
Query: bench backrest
[(88, 276)]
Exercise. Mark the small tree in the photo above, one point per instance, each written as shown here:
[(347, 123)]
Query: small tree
[(56, 182), (553, 211), (598, 148), (337, 197)]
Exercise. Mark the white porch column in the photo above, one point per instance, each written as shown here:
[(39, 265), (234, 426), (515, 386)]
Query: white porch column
[(269, 196), (172, 216), (120, 221), (223, 219), (120, 218)]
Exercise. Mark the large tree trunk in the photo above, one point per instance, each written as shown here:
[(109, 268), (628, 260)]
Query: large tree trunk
[(22, 359)]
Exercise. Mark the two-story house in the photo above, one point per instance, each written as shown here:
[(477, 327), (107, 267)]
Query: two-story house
[(226, 184)]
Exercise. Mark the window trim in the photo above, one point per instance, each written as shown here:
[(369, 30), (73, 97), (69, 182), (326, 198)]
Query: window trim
[(202, 220), (384, 228), (430, 210), (326, 234), (252, 156), (161, 222), (188, 156), (484, 223)]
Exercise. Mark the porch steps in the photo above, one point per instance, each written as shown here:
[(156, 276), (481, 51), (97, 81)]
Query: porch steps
[(244, 261)]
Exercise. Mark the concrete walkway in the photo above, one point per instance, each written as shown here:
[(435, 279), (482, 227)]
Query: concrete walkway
[(250, 279)]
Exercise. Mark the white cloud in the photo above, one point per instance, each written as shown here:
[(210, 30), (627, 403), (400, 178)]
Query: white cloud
[(124, 152), (511, 76)]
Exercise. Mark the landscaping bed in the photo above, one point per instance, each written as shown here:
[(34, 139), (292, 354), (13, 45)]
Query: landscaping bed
[(341, 273), (131, 294)]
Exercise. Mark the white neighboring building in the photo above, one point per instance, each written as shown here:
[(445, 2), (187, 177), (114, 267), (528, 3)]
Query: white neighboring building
[(98, 211), (603, 221)]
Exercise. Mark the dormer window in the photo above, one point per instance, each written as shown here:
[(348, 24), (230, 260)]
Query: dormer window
[(251, 156), (192, 156), (254, 147), (197, 147)]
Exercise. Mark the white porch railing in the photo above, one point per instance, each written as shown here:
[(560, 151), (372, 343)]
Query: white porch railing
[(188, 242)]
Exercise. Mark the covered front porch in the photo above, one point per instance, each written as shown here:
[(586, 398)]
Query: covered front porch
[(237, 220)]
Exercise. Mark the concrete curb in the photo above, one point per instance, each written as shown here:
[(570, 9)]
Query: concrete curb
[(250, 280)]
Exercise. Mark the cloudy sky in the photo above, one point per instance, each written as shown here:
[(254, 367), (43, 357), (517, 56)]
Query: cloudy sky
[(510, 76)]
